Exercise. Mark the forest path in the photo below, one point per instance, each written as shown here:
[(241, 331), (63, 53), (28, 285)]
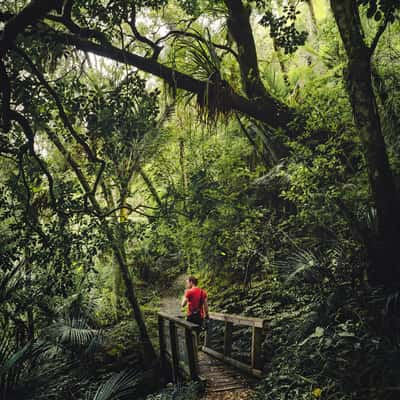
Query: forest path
[(222, 382), (171, 297)]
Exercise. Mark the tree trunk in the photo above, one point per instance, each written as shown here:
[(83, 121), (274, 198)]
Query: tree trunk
[(29, 312), (382, 246), (118, 281), (238, 23), (117, 276), (182, 164), (150, 186), (149, 355), (313, 25)]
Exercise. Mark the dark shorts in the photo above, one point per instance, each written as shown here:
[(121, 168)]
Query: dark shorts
[(195, 319)]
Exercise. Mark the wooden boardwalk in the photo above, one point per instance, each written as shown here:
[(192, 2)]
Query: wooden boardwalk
[(224, 376), (222, 381)]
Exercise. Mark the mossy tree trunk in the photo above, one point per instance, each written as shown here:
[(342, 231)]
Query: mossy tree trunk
[(382, 245)]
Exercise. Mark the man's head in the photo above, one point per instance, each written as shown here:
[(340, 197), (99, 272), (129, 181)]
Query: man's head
[(191, 282)]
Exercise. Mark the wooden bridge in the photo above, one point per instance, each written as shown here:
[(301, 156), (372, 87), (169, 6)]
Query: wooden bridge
[(221, 364)]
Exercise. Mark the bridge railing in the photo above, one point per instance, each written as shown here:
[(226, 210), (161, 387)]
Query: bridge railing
[(257, 326), (178, 348)]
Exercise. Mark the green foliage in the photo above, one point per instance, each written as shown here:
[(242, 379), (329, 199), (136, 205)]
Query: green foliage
[(334, 350), (180, 392), (272, 221), (379, 9), (76, 333), (119, 386), (283, 28)]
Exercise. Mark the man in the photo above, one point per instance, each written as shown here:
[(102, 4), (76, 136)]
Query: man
[(196, 300)]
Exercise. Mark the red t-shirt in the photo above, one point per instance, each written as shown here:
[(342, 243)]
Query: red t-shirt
[(193, 297)]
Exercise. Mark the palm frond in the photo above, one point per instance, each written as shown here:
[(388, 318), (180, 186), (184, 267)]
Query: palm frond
[(201, 58), (15, 364), (8, 282), (166, 115), (302, 264), (119, 386), (275, 82), (76, 332)]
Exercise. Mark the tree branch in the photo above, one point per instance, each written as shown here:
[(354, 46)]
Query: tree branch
[(64, 118), (150, 186), (29, 15), (266, 109), (6, 98), (26, 128), (132, 23), (66, 20), (198, 37), (378, 35)]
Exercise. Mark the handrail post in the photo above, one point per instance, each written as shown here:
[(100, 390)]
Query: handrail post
[(161, 337), (191, 348), (228, 338), (174, 351), (256, 342), (207, 336)]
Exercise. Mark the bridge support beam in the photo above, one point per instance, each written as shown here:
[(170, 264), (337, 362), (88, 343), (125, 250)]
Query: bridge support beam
[(228, 339), (174, 351), (256, 342)]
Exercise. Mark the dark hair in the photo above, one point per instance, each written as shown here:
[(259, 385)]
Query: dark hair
[(193, 280)]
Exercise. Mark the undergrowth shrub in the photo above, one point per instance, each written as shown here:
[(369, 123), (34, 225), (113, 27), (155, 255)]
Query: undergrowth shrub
[(338, 351), (190, 391)]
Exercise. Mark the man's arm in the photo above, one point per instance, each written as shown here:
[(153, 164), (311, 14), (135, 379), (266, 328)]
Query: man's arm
[(205, 305), (184, 300)]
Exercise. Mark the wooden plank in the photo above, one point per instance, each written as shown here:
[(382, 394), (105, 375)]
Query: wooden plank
[(223, 379), (225, 388), (191, 347), (228, 338), (256, 342), (174, 351), (178, 321), (234, 363), (238, 319)]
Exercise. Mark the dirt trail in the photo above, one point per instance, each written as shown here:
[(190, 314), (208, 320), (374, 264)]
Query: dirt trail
[(171, 298)]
